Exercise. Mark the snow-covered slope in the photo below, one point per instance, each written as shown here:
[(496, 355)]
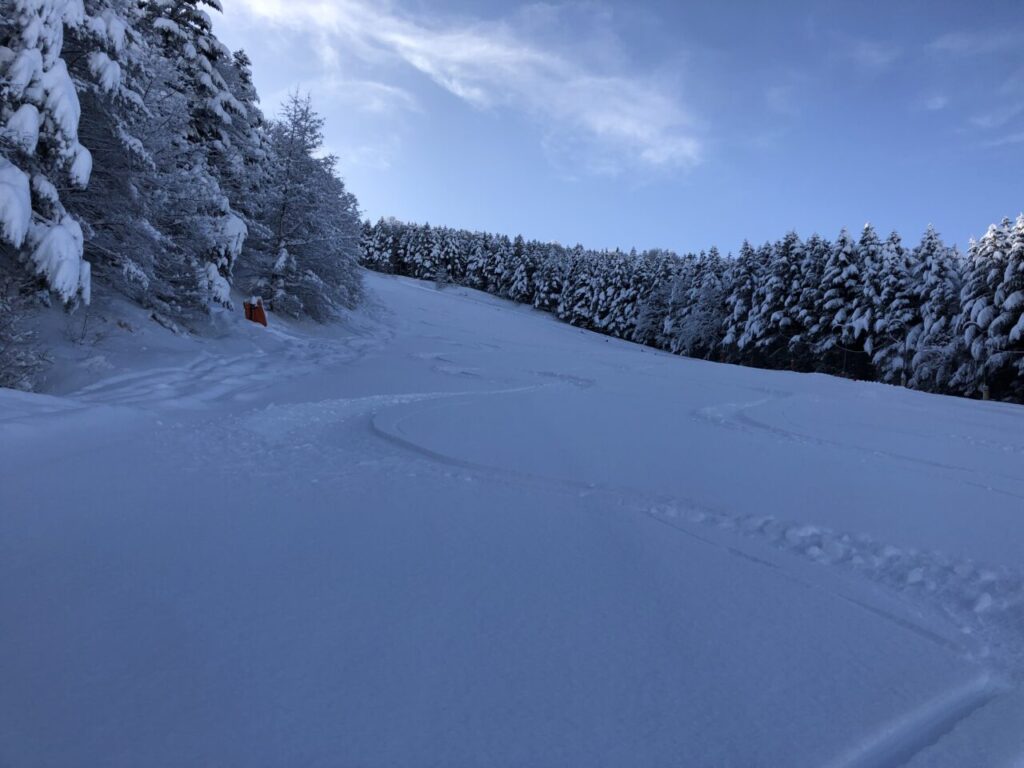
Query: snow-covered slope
[(461, 533)]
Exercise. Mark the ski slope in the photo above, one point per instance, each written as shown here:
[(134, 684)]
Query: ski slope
[(456, 532)]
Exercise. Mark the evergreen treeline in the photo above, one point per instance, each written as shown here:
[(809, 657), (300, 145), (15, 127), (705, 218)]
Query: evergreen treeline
[(867, 308), (133, 153)]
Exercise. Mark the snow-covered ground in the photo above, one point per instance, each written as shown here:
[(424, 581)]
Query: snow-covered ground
[(456, 532)]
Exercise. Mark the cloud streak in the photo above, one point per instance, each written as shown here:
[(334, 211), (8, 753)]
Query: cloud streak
[(975, 43), (873, 56), (496, 65)]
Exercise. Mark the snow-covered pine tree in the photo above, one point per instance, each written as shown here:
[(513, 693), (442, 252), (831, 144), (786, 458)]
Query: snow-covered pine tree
[(840, 341), (755, 325), (312, 219), (498, 269), (187, 34), (805, 305), (655, 275), (383, 245), (628, 283), (938, 279), (678, 302), (772, 324), (986, 267), (184, 30), (523, 287), (870, 263), (583, 296), (549, 279), (698, 311), (366, 243), (240, 159), (421, 253), (409, 243), (704, 327), (575, 301), (745, 275), (446, 256), (897, 311), (614, 305), (39, 147), (121, 79), (439, 257), (476, 261), (1006, 331)]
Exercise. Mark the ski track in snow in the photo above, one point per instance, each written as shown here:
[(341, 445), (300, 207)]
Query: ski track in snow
[(985, 604), (984, 601), (211, 378)]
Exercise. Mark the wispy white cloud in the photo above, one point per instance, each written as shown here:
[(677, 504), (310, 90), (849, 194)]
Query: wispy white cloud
[(975, 43), (998, 117), (627, 119), (936, 102), (366, 96), (1007, 140), (872, 56)]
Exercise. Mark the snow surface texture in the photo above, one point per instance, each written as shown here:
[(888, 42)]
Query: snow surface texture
[(462, 533)]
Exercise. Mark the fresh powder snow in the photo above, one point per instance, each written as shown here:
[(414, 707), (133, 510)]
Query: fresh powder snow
[(454, 531)]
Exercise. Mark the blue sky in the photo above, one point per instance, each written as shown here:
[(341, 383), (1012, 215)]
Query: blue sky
[(659, 124)]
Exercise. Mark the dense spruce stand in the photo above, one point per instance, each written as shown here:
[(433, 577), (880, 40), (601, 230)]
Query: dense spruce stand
[(864, 308)]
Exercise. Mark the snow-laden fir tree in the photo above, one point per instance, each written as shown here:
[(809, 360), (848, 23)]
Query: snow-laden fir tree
[(771, 324), (1006, 330), (312, 222), (240, 158), (810, 305), (549, 278), (476, 260), (629, 283), (40, 151), (614, 310), (870, 265), (746, 275), (751, 353), (447, 255), (499, 267), (131, 119), (986, 267), (938, 280), (575, 300), (654, 277), (380, 256), (697, 325), (679, 301), (805, 303), (185, 32), (842, 298), (579, 295), (523, 287), (896, 312)]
